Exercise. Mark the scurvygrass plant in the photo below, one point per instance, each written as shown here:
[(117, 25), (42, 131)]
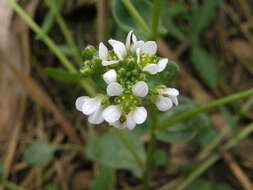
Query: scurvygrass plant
[(126, 69), (129, 70)]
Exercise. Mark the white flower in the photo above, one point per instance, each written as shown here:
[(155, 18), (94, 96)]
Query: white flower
[(91, 107), (110, 76), (140, 89), (103, 55), (156, 68), (164, 103), (114, 89), (119, 48), (112, 113), (138, 116)]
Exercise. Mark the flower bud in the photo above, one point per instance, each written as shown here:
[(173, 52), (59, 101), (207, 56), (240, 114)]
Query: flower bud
[(110, 76)]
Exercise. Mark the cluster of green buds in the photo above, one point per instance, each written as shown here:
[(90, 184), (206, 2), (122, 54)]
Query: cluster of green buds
[(126, 70)]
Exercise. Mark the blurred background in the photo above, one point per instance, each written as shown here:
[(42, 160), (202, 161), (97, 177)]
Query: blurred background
[(45, 143)]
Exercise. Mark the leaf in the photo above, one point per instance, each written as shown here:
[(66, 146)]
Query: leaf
[(104, 180), (164, 77), (206, 135), (160, 158), (203, 16), (63, 76), (205, 65), (39, 154), (169, 12), (125, 20), (51, 187), (203, 184), (185, 130), (110, 151)]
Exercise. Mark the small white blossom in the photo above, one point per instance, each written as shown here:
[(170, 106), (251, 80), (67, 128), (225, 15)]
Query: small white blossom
[(114, 89), (119, 48), (138, 116), (140, 89), (156, 68), (91, 107), (166, 98), (110, 76), (112, 113), (103, 55)]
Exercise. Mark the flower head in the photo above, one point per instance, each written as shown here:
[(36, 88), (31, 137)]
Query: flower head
[(126, 69)]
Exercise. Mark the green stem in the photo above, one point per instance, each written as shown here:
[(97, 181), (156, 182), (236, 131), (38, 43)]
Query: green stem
[(151, 149), (44, 37), (10, 185), (132, 10), (155, 18), (205, 107), (52, 46), (209, 162), (130, 148), (66, 32)]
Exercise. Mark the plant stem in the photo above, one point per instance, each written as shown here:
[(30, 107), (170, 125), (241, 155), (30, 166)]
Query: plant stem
[(155, 18), (212, 159), (52, 46), (130, 148), (66, 32), (132, 10), (151, 149), (44, 37), (205, 107), (10, 185)]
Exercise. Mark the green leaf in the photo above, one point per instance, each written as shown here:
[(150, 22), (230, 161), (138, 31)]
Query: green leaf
[(203, 184), (110, 151), (185, 130), (169, 12), (125, 20), (39, 154), (205, 65), (164, 77), (104, 180), (51, 187), (206, 135), (160, 158), (203, 16), (63, 76)]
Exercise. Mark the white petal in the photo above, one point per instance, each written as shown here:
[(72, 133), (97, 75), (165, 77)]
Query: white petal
[(106, 63), (80, 101), (114, 89), (128, 39), (138, 55), (91, 105), (118, 48), (130, 123), (140, 115), (162, 63), (136, 45), (149, 48), (111, 114), (134, 39), (174, 100), (118, 125), (151, 69), (163, 103), (97, 117), (172, 92), (140, 89), (110, 76), (103, 51)]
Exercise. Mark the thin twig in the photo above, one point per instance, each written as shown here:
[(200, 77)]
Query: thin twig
[(238, 172)]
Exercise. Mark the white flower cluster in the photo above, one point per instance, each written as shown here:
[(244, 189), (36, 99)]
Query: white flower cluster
[(127, 67)]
